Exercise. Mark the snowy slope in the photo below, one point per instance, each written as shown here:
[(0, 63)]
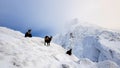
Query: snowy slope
[(19, 52), (91, 41), (16, 51)]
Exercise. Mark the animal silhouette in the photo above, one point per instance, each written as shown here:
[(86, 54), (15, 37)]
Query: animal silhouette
[(47, 40), (69, 52)]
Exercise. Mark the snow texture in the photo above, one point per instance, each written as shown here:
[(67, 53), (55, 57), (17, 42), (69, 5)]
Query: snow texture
[(92, 42), (16, 51)]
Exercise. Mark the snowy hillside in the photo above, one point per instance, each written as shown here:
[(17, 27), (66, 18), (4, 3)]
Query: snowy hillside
[(16, 51), (91, 41)]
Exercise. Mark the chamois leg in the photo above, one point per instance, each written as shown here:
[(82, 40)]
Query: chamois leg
[(48, 44), (44, 43)]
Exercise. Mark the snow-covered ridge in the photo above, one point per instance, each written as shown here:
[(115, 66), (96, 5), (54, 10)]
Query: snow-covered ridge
[(16, 51), (92, 42)]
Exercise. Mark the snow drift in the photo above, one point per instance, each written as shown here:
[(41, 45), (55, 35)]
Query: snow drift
[(91, 41)]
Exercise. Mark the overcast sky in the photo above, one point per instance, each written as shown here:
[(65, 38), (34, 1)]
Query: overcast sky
[(47, 15)]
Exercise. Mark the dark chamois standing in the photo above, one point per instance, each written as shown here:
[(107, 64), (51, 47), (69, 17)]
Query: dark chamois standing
[(28, 33), (69, 52), (47, 40)]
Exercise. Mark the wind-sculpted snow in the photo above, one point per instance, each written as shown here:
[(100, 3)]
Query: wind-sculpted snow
[(92, 42)]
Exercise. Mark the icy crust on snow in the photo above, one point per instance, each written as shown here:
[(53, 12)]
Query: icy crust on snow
[(92, 42)]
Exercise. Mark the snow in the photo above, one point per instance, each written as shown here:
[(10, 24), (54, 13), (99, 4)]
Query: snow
[(92, 42), (106, 64), (16, 51)]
